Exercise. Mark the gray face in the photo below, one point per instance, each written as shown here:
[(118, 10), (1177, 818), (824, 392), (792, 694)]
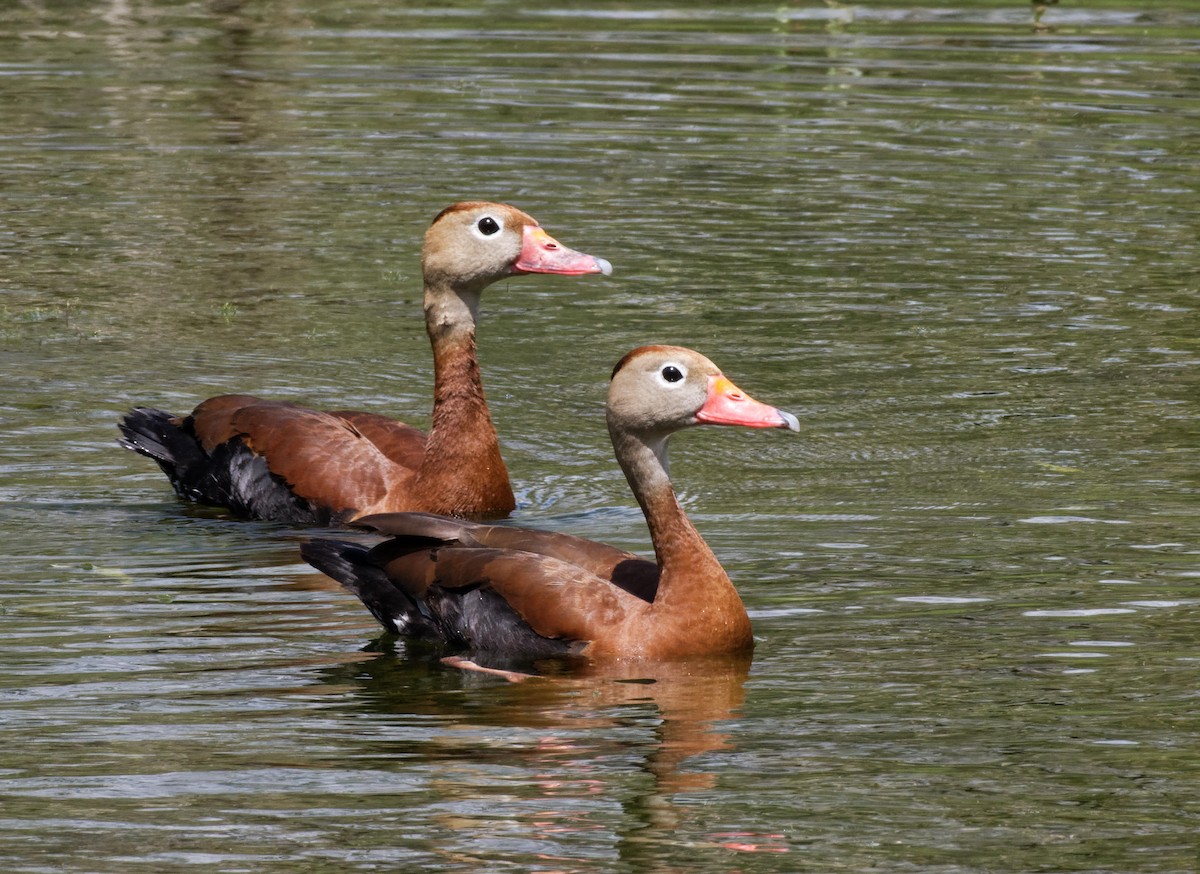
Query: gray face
[(659, 389), (474, 245)]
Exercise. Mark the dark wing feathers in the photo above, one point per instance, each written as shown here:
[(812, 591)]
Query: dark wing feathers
[(322, 457), (275, 460), (241, 480), (469, 615), (480, 621), (497, 589), (230, 475), (557, 599)]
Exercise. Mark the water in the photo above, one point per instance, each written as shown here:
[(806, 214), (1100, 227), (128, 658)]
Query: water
[(962, 250)]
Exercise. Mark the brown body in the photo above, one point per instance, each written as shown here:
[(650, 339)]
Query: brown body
[(275, 460), (520, 592)]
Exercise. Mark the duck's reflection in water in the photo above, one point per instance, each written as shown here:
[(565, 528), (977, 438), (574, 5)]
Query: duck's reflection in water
[(585, 757)]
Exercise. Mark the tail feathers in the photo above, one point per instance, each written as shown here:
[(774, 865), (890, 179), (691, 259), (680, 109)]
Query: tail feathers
[(159, 435), (351, 565)]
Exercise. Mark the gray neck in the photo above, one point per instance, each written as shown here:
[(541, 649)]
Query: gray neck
[(451, 312)]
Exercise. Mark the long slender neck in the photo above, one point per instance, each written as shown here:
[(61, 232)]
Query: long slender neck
[(687, 566), (462, 453), (458, 399), (696, 607)]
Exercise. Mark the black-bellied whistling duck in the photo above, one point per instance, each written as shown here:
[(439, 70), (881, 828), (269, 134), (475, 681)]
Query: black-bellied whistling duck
[(274, 460), (505, 593)]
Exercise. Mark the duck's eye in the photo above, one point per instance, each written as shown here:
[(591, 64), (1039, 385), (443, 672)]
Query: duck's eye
[(487, 225), (671, 373)]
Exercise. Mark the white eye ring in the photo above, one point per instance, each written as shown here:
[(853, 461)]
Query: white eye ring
[(486, 227), (672, 374)]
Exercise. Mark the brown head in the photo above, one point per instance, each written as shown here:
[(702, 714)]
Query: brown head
[(472, 244)]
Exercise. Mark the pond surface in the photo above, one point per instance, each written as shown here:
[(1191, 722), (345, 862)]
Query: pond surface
[(961, 248)]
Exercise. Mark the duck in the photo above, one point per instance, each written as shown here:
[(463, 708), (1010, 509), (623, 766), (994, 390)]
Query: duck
[(277, 461), (499, 595)]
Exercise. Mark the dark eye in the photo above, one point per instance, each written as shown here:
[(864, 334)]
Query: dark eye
[(671, 373), (487, 226)]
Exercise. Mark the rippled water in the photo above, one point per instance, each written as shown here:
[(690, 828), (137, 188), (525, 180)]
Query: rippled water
[(961, 248)]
